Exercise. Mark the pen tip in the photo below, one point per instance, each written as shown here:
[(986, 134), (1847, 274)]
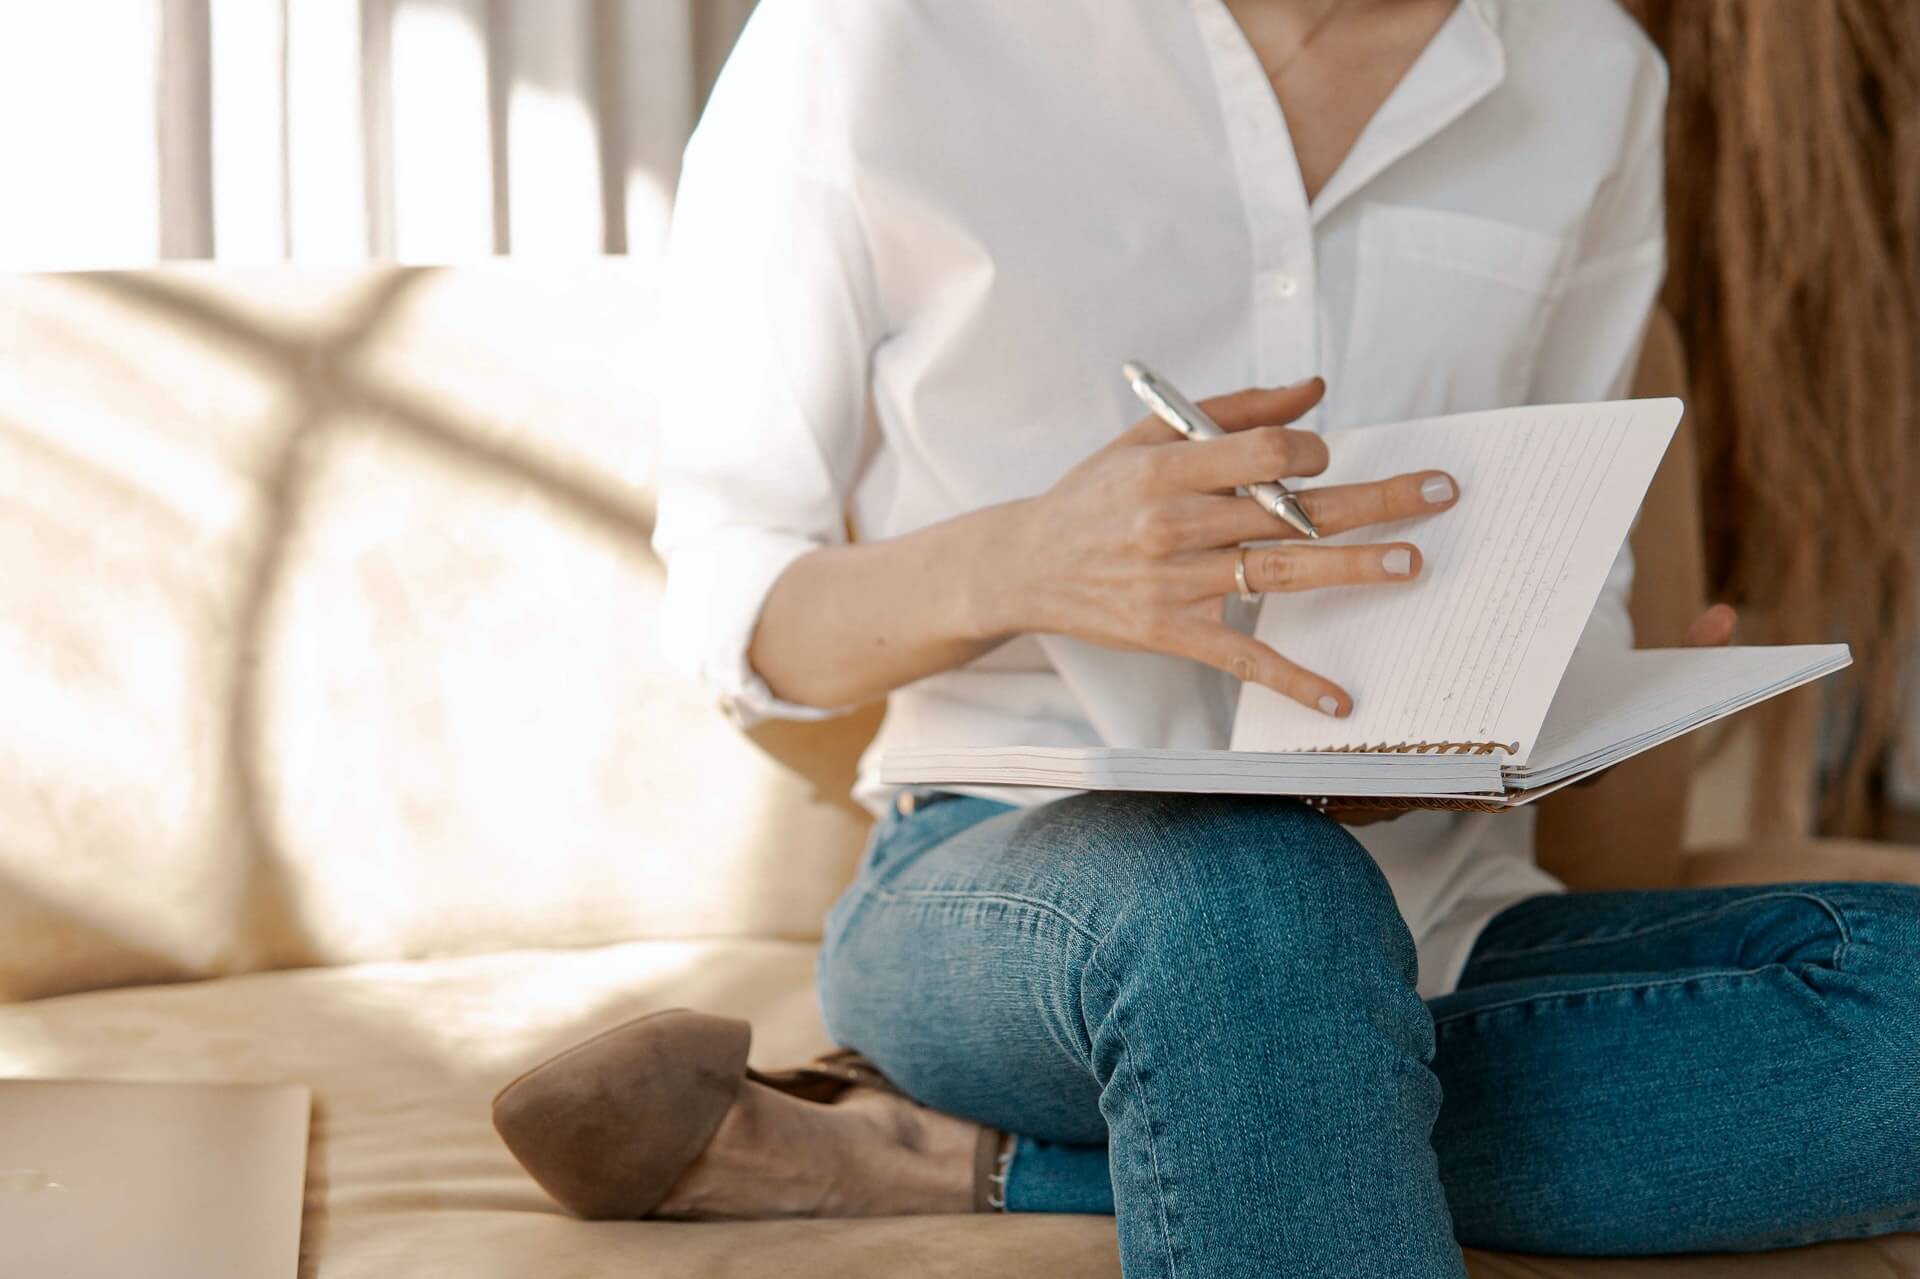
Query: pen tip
[(1133, 370)]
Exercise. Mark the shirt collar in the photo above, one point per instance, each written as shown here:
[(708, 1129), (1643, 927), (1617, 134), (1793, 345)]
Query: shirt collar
[(1464, 62)]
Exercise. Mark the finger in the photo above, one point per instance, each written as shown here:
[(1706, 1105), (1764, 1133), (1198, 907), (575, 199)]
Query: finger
[(1341, 507), (1209, 519), (1251, 662), (1252, 456), (1713, 628), (1278, 569), (1265, 406), (1256, 406)]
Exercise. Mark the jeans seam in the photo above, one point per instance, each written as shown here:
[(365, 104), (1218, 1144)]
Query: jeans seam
[(1140, 1090), (1126, 1045), (1833, 913), (1548, 996), (977, 895)]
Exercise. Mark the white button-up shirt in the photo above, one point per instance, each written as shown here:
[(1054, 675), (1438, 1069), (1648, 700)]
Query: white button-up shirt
[(915, 239)]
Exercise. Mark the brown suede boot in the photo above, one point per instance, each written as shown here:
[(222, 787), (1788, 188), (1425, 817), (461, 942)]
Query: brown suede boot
[(609, 1126)]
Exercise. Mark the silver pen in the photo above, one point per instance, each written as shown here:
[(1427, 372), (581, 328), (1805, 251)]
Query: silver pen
[(1188, 418)]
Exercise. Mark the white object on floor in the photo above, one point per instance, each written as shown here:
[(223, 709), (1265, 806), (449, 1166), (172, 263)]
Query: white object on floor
[(103, 1180)]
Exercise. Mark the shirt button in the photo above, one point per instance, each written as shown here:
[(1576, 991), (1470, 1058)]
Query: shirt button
[(1285, 285), (907, 803)]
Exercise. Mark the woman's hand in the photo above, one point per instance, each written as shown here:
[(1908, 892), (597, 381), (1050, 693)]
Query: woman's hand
[(1713, 628), (1136, 547)]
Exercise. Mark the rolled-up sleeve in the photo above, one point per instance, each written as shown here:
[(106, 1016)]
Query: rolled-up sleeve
[(767, 325), (1592, 345)]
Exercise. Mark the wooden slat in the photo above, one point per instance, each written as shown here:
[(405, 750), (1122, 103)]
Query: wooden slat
[(660, 96), (185, 131), (1803, 861), (376, 123)]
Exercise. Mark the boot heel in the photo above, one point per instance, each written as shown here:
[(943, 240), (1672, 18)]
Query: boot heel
[(608, 1126)]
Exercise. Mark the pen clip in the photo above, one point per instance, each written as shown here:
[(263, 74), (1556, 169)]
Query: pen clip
[(1168, 404)]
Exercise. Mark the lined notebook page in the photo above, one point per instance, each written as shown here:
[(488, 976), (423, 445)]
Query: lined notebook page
[(1474, 650)]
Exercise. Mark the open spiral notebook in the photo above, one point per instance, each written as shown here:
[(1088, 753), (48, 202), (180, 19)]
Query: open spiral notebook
[(1468, 690)]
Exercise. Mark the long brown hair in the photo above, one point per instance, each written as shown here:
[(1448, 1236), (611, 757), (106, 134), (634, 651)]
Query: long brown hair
[(1793, 168)]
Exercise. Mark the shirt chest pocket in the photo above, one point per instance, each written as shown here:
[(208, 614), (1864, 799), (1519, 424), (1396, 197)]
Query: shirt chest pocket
[(1449, 313)]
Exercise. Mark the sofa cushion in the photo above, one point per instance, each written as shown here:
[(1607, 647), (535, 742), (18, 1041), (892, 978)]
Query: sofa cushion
[(407, 1178)]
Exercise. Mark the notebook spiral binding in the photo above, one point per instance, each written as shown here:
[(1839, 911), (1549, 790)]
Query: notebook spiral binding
[(1335, 805), (1425, 748), (1338, 804)]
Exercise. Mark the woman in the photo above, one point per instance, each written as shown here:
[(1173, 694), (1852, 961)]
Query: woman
[(914, 242)]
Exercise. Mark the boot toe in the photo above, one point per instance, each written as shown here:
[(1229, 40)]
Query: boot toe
[(608, 1126)]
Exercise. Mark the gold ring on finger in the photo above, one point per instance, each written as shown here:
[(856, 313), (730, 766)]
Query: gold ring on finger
[(1247, 594)]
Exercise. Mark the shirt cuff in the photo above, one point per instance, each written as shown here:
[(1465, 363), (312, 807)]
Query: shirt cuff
[(715, 593)]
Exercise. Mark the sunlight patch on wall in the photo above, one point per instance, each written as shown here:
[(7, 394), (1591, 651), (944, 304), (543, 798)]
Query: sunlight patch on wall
[(649, 213), (326, 174), (248, 156), (442, 160), (553, 146), (78, 94)]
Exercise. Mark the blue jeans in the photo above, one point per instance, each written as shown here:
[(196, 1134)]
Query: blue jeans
[(1199, 1014)]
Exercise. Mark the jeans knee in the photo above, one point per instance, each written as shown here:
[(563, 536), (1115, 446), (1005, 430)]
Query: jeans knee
[(1266, 885), (1876, 1110)]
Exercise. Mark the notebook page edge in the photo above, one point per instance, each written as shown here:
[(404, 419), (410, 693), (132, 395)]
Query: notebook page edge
[(1821, 661), (1109, 768)]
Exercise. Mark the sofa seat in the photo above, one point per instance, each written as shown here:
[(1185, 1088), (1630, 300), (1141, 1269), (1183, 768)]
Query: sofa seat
[(406, 1177)]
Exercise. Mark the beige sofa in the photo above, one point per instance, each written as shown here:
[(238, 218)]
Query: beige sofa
[(335, 750)]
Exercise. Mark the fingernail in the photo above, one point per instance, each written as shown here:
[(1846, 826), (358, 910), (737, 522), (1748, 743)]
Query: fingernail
[(1398, 562), (1331, 705), (1438, 490)]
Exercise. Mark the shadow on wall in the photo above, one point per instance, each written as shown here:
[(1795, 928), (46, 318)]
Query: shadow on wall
[(337, 635), (331, 391)]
